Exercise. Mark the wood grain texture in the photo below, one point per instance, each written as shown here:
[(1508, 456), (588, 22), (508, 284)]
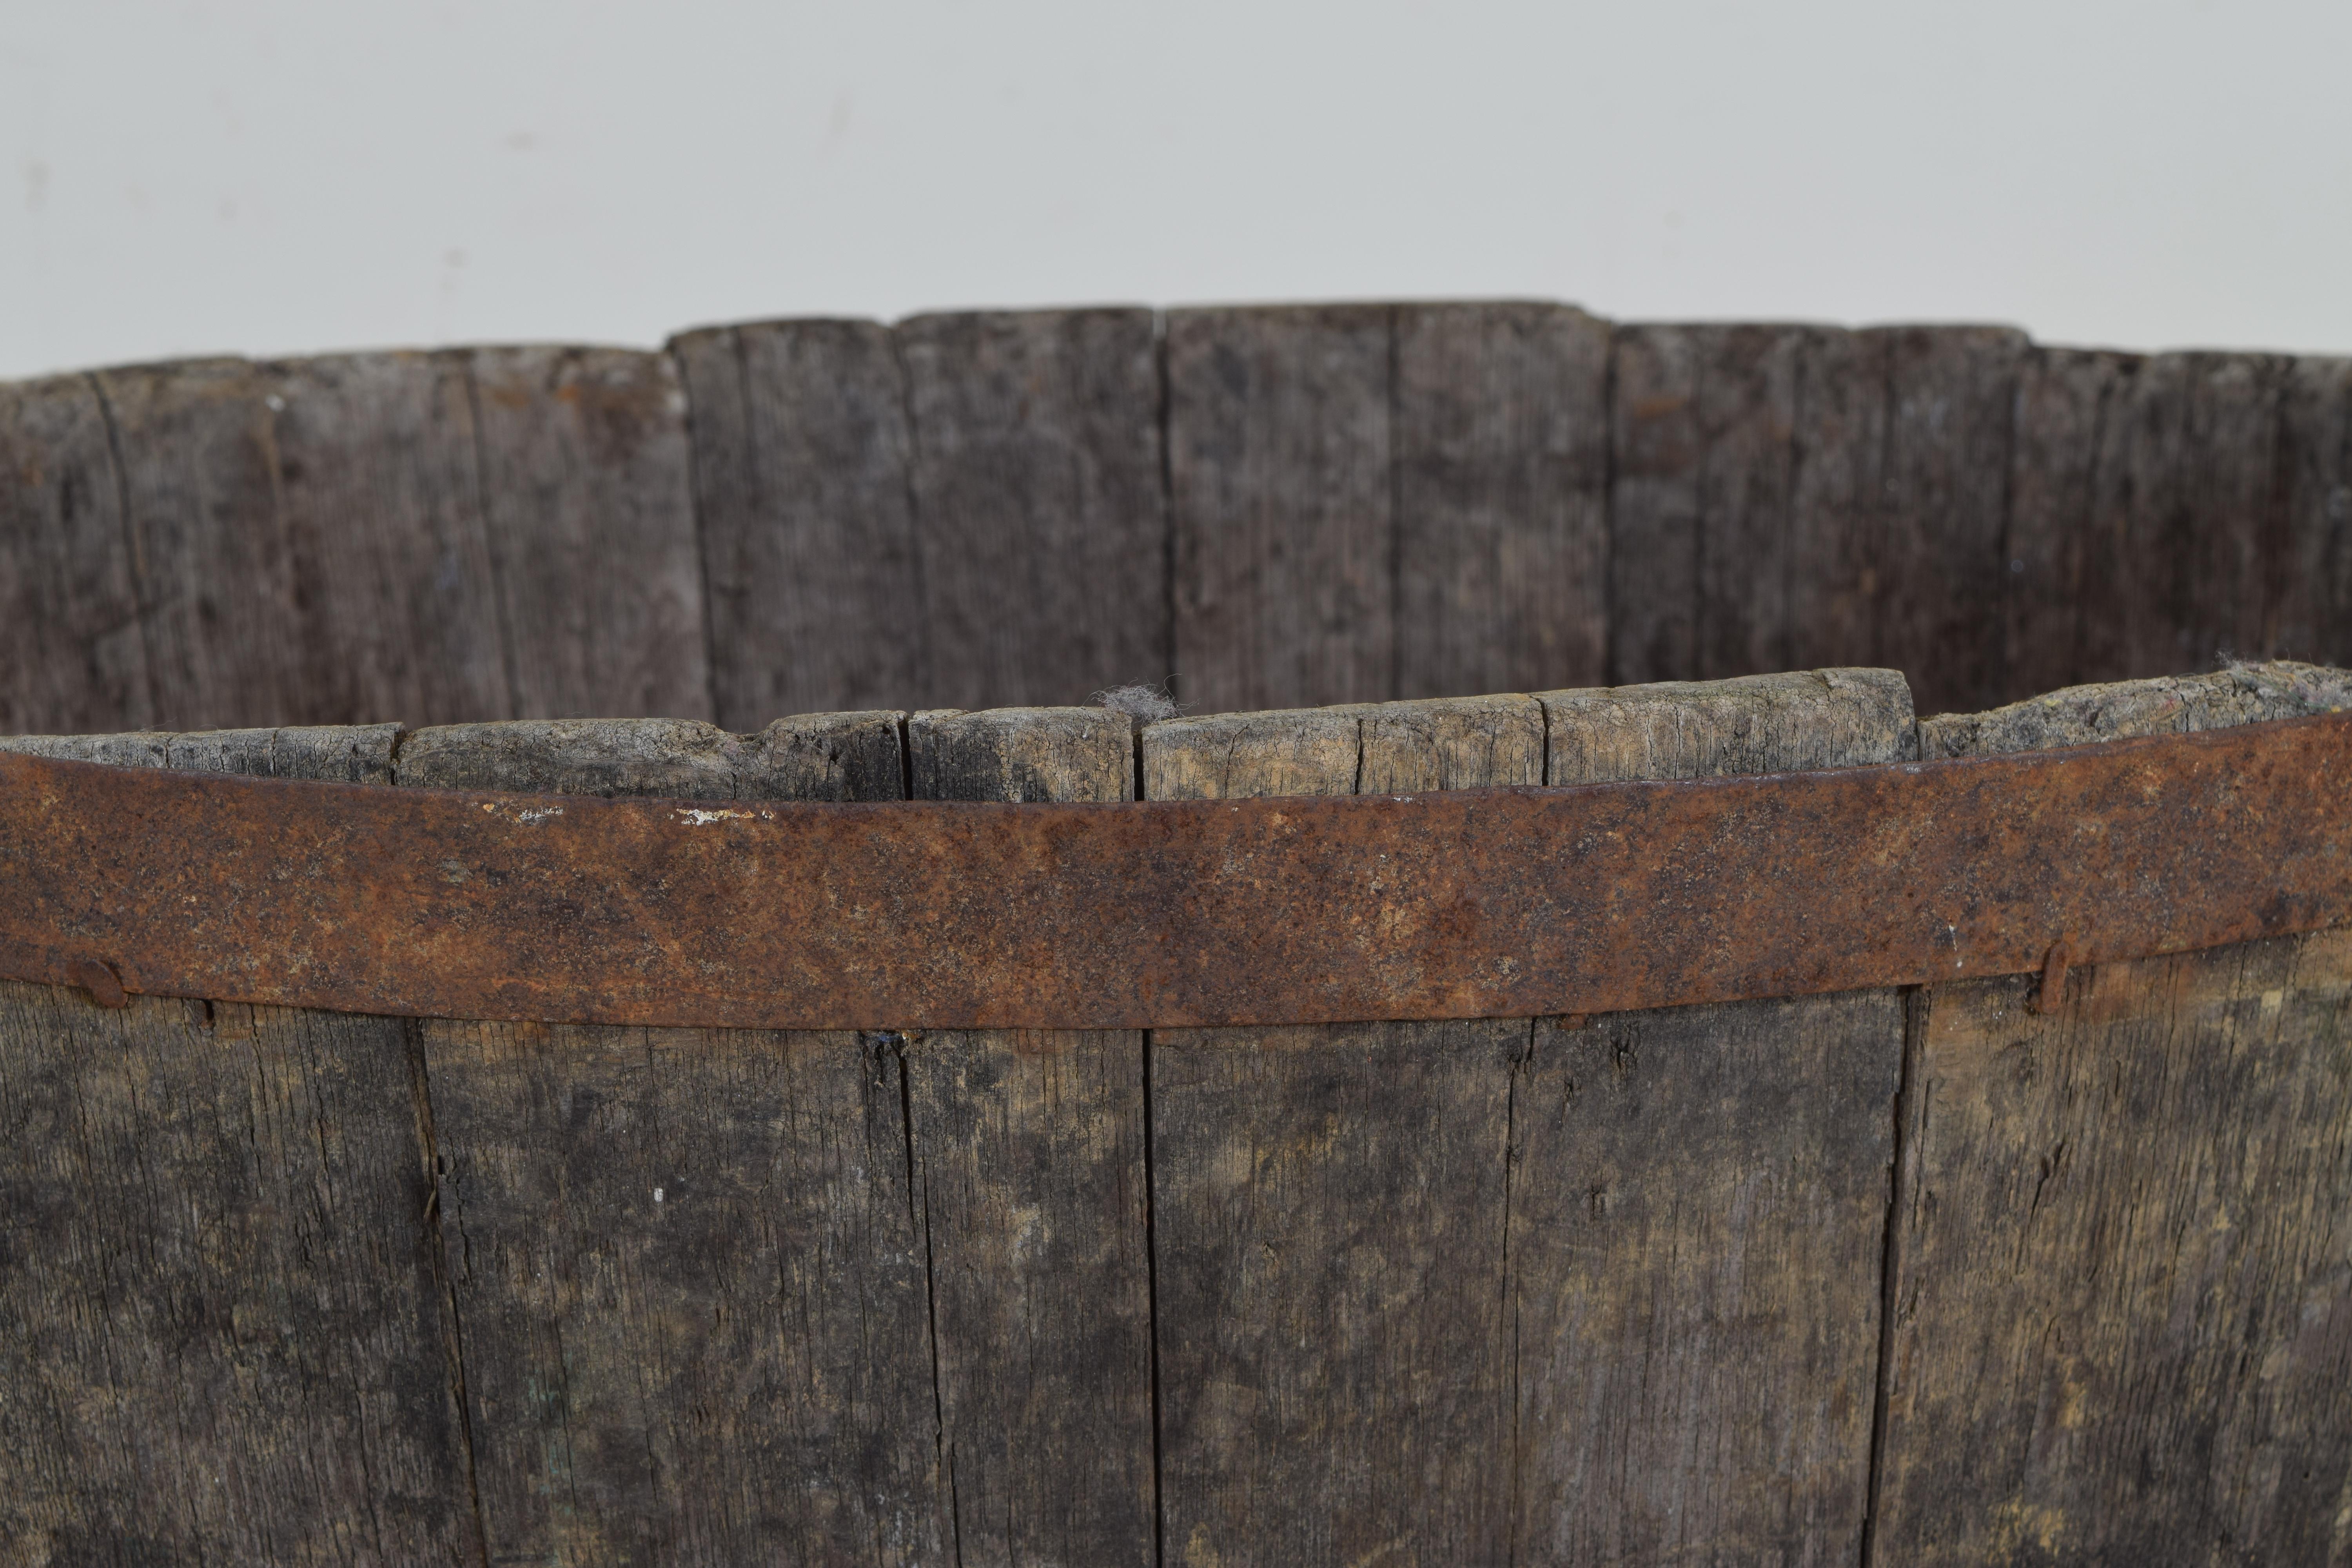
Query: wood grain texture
[(803, 456), (1329, 1224), (1375, 1342), (1941, 572), (688, 1266), (2123, 1304), (2167, 705), (1021, 753), (73, 652), (690, 1287), (1836, 515), (2065, 399), (1327, 1208), (379, 491), (358, 754), (2310, 618), (1279, 452), (221, 1336), (1655, 455), (1757, 723), (210, 549), (1030, 1177), (1747, 419), (1036, 482), (586, 485), (1900, 510), (1459, 742), (1240, 756), (1501, 437), (221, 1278), (308, 542), (2188, 507), (813, 756), (1705, 421), (1697, 1208)]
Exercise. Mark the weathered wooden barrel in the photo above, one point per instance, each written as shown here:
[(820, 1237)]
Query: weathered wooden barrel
[(1676, 1110)]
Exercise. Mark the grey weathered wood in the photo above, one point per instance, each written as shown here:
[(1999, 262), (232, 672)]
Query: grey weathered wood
[(688, 1266), (2168, 705), (73, 654), (360, 753), (1462, 742), (1370, 1343), (1235, 756), (1747, 422), (1021, 753), (802, 454), (1758, 723), (1327, 1223), (1328, 1218), (1834, 510), (2310, 618), (2064, 400), (2186, 508), (1940, 589), (1704, 420), (1501, 454), (1697, 1231), (585, 486), (1656, 457), (1036, 480), (2122, 1331), (379, 494), (690, 1287), (221, 1331), (1031, 1180), (307, 539), (1279, 453), (210, 551), (1899, 516), (1697, 1208), (814, 756)]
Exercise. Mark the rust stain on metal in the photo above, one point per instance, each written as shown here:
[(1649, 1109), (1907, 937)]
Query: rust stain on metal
[(97, 977), (2051, 995), (1504, 902)]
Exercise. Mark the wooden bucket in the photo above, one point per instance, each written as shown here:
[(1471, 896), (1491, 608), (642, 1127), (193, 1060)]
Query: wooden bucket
[(1713, 1119)]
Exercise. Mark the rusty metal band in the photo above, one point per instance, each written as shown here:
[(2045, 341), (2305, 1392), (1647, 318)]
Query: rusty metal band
[(1498, 903)]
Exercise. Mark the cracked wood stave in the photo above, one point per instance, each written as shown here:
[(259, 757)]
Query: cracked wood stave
[(1501, 492), (2122, 1325), (220, 1327), (1697, 1212), (1368, 1235), (1031, 1181), (1282, 506), (1320, 1401), (687, 1265), (2122, 1246), (690, 1290), (219, 1297)]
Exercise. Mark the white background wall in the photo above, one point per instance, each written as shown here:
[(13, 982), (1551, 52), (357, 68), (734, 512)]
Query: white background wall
[(266, 178)]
